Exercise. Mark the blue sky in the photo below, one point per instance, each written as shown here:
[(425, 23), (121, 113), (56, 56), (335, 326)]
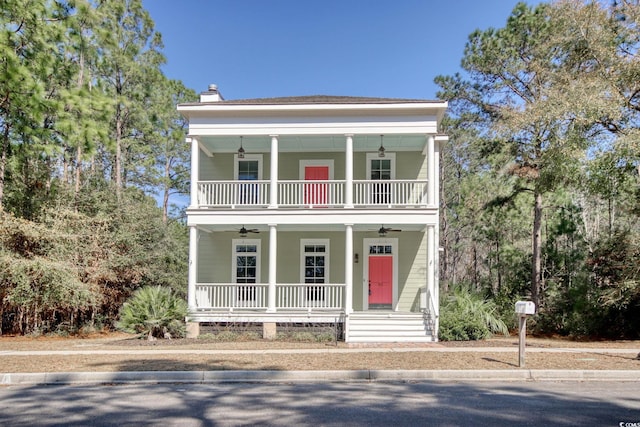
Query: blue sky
[(269, 48)]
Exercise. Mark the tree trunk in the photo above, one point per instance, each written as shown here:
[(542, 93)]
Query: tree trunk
[(65, 167), (536, 264), (118, 160), (610, 212), (475, 268), (165, 196), (444, 224), (119, 123), (3, 162), (498, 286), (76, 189)]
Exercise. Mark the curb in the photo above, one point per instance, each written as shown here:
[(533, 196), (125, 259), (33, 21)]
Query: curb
[(210, 377), (322, 351)]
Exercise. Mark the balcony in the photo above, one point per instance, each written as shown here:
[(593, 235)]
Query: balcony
[(313, 194)]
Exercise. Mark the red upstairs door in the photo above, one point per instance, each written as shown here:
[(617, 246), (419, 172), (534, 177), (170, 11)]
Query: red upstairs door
[(380, 281), (316, 194)]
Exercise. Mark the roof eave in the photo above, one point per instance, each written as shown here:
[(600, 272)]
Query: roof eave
[(225, 107)]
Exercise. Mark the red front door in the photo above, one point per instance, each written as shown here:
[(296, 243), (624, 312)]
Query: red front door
[(380, 281), (316, 194)]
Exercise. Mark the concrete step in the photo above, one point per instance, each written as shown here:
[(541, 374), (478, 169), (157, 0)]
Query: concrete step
[(384, 339), (388, 327), (396, 333)]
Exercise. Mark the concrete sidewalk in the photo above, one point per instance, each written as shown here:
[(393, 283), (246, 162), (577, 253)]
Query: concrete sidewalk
[(212, 377), (327, 350)]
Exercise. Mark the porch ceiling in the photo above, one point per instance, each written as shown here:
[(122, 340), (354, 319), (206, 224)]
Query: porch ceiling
[(298, 228), (313, 143)]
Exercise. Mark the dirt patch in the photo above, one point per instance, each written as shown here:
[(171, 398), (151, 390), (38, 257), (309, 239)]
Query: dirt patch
[(322, 361)]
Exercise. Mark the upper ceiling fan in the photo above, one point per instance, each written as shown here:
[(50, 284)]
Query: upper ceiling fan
[(382, 231)]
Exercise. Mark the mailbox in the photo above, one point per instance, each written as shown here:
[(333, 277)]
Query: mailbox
[(525, 307)]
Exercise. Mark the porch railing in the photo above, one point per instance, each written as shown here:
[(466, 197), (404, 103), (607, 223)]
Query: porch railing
[(311, 193), (429, 311), (310, 296), (298, 193), (230, 296), (233, 193), (390, 193)]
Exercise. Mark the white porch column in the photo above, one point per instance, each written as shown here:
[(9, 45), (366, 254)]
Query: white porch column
[(273, 258), (431, 263), (193, 268), (436, 274), (436, 177), (273, 189), (431, 171), (348, 269), (436, 235), (195, 171), (348, 173)]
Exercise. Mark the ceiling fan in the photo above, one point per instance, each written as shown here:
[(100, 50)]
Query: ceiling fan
[(382, 231), (244, 231)]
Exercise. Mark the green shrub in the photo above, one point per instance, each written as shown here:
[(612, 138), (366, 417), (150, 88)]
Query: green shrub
[(154, 311), (326, 337), (465, 315), (226, 335)]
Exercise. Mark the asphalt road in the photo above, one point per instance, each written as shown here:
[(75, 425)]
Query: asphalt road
[(350, 404)]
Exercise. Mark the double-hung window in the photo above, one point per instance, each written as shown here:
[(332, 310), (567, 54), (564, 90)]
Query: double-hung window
[(315, 267), (380, 170), (249, 169), (246, 270)]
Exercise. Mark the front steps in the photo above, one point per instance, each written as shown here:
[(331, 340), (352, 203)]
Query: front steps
[(387, 326)]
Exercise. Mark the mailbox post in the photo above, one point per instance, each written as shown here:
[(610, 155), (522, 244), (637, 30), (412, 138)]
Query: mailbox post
[(523, 309)]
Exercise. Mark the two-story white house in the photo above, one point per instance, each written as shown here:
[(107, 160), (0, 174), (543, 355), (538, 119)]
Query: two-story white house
[(315, 209)]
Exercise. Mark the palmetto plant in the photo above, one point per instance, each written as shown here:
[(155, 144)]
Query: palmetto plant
[(467, 315), (153, 311)]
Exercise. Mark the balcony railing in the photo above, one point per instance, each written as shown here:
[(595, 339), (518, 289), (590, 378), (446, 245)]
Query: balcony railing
[(311, 193), (233, 193), (366, 193), (230, 296), (390, 193)]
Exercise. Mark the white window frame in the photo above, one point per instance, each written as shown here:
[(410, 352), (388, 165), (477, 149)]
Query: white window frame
[(316, 162), (387, 156), (234, 259), (319, 287), (236, 167), (306, 242)]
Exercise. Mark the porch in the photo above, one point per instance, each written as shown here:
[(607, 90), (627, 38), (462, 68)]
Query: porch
[(310, 303), (319, 193)]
